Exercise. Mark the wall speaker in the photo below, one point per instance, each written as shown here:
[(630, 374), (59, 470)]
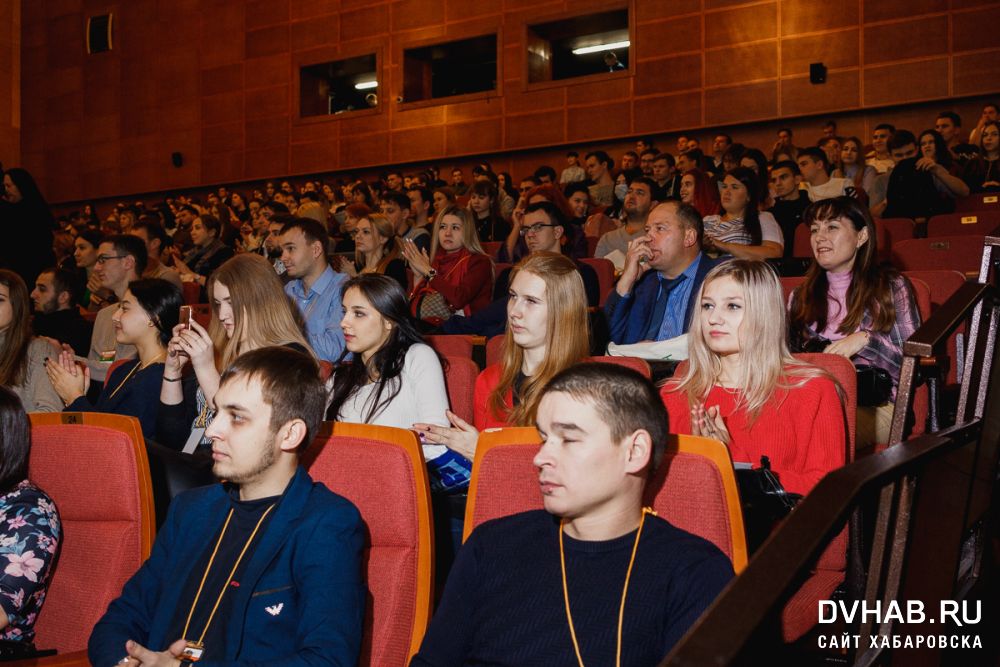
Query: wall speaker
[(177, 159), (99, 33), (817, 73)]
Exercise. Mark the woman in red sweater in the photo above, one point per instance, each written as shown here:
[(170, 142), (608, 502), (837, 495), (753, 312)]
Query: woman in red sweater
[(744, 388), (547, 331), (461, 273)]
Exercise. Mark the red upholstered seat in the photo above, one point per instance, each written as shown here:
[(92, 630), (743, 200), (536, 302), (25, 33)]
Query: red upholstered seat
[(460, 381), (949, 253), (984, 201), (94, 467), (191, 292), (895, 230), (451, 345), (494, 349), (492, 248), (381, 470), (636, 364), (977, 223), (202, 313), (694, 488), (942, 284), (605, 270)]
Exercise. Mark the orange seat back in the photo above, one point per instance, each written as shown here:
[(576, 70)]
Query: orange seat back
[(948, 253), (942, 284), (694, 488), (94, 467), (381, 470)]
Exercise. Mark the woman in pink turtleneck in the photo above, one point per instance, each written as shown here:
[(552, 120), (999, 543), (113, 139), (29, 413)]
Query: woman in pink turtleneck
[(858, 309)]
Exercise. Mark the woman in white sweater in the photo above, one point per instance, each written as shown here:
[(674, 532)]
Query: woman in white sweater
[(395, 379)]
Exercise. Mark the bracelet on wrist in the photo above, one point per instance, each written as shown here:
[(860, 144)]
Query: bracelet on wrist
[(177, 379)]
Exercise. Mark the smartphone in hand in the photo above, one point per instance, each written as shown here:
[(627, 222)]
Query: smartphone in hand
[(187, 315)]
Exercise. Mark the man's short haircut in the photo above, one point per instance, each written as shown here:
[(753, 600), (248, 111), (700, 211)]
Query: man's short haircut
[(817, 154), (645, 180), (729, 139), (785, 129), (696, 155), (572, 154), (154, 230), (64, 280), (556, 216), (276, 207), (622, 398), (901, 138), (602, 157), (133, 246), (313, 230), (952, 116), (666, 157), (546, 170), (787, 164), (652, 151), (992, 104), (398, 198), (289, 383), (689, 217), (632, 153), (830, 123), (886, 126), (189, 208), (649, 141), (574, 187), (425, 193), (393, 172)]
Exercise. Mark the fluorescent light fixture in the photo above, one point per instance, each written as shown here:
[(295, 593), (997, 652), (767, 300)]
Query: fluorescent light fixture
[(601, 47), (366, 85)]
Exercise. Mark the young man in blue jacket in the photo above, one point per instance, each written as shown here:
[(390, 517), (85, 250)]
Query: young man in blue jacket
[(654, 297), (264, 568)]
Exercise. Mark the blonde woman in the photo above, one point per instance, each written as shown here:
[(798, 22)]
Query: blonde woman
[(460, 276), (547, 331), (249, 310), (376, 250), (744, 388)]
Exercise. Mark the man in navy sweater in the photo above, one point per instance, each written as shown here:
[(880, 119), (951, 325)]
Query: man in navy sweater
[(546, 587), (264, 569), (654, 297)]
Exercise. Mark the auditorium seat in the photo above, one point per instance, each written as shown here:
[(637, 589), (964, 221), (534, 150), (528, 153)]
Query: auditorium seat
[(191, 293), (381, 470), (981, 223), (94, 467), (605, 270), (801, 246), (983, 201), (202, 313), (949, 253), (494, 349), (460, 380), (592, 242), (492, 248), (694, 488), (451, 345), (892, 230), (942, 284), (636, 364)]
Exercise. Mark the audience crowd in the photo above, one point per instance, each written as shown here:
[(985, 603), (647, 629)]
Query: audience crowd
[(317, 298)]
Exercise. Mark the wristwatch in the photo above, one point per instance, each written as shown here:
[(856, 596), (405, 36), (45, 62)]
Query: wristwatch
[(431, 274)]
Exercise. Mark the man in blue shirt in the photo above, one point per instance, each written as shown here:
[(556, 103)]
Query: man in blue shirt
[(263, 569), (654, 297), (315, 286)]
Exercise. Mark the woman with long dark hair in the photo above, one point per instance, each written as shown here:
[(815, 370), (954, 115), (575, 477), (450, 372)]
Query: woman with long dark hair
[(30, 533), (394, 379), (936, 159), (22, 358), (484, 203), (851, 305), (983, 173), (28, 226), (145, 318), (740, 228)]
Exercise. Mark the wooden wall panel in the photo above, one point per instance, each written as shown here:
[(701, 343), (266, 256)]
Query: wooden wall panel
[(216, 80)]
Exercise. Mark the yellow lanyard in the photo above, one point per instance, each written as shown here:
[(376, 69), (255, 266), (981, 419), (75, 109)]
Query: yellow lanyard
[(225, 586), (138, 367), (621, 609)]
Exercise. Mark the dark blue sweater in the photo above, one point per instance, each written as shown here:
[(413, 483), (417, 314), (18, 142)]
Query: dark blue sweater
[(503, 603), (139, 397)]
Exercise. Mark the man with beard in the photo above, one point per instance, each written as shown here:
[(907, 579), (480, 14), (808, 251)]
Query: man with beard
[(56, 315)]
